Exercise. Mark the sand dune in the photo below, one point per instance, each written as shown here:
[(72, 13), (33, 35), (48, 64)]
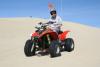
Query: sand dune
[(15, 31)]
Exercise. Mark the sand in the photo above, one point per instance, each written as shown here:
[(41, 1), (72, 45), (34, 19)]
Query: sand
[(15, 31)]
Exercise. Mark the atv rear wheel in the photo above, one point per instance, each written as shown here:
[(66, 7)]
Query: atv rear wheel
[(29, 48), (69, 45), (54, 49)]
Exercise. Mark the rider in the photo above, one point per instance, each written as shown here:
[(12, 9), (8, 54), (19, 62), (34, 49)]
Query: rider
[(55, 21)]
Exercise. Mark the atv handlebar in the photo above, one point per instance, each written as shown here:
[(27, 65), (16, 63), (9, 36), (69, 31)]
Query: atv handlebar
[(41, 25)]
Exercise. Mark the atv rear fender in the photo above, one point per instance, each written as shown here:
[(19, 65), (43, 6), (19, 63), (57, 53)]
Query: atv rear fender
[(63, 35)]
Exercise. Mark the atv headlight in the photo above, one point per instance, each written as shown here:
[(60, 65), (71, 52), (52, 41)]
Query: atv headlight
[(32, 38)]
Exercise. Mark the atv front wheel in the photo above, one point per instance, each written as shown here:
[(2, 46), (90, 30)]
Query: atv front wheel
[(29, 48), (69, 45), (54, 49)]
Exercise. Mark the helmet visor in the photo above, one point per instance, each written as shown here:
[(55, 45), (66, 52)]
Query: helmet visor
[(53, 12)]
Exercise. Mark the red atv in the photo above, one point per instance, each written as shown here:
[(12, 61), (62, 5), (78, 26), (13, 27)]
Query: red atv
[(46, 40)]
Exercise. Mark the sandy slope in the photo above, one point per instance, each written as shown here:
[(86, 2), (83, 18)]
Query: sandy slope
[(15, 31)]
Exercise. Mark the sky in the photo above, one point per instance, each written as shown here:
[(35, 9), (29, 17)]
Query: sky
[(79, 11)]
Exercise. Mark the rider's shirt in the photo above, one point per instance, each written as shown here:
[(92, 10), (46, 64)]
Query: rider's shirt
[(57, 23), (57, 20)]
